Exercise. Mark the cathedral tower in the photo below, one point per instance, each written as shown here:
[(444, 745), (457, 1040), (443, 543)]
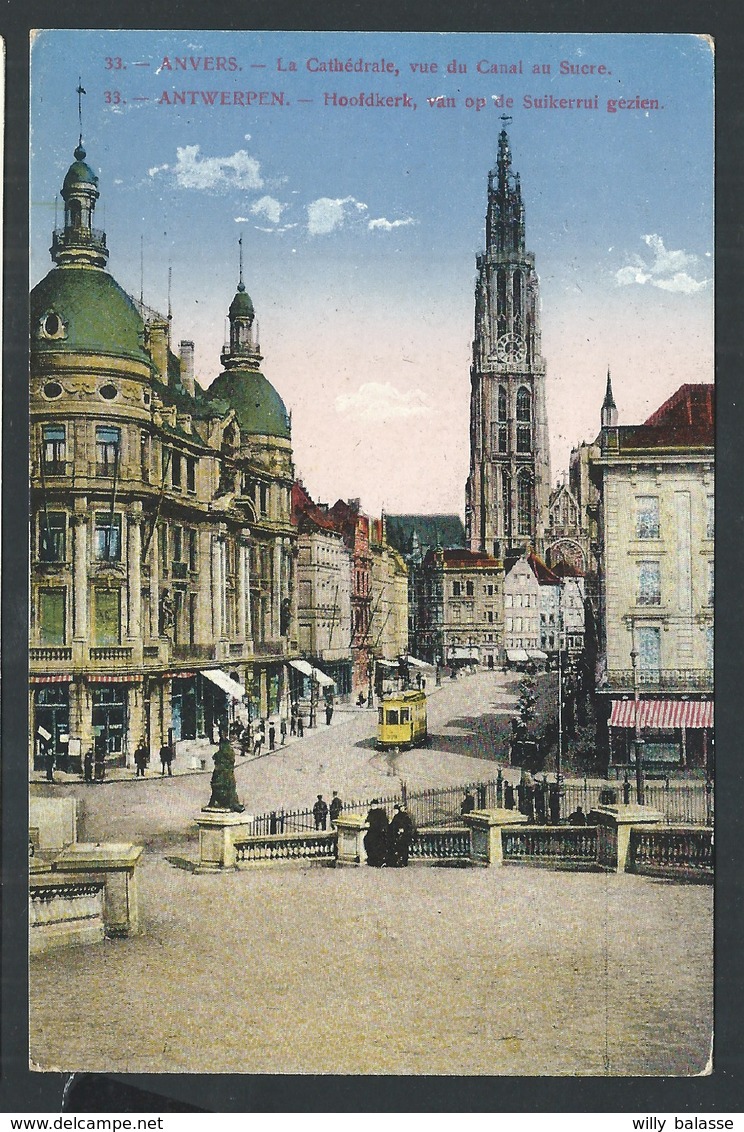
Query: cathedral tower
[(507, 491)]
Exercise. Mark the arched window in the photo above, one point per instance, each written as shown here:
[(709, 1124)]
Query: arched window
[(524, 420), (524, 503), (506, 503), (503, 427), (517, 294), (500, 291)]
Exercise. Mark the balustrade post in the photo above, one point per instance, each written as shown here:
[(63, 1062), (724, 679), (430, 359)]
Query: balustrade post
[(485, 830), (615, 823), (350, 830)]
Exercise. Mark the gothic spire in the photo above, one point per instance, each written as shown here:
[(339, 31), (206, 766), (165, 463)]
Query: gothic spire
[(609, 408)]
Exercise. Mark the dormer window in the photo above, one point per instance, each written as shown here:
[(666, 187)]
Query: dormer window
[(52, 326)]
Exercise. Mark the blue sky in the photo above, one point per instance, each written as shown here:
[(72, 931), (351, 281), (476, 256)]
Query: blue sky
[(361, 226)]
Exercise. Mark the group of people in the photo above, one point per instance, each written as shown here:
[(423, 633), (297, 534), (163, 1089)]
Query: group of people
[(388, 843), (322, 811)]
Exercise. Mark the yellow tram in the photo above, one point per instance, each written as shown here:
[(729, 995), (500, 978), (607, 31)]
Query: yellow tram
[(402, 720)]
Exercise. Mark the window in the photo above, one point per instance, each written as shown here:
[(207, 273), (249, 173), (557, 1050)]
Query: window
[(163, 537), (710, 525), (106, 626), (456, 613), (176, 470), (193, 550), (52, 616), (108, 441), (107, 537), (264, 499), (145, 456), (190, 473), (455, 589), (508, 600), (489, 616), (649, 583), (52, 532), (524, 420), (392, 718), (405, 715), (509, 624), (506, 502), (177, 544), (524, 504), (649, 649), (647, 516), (503, 427), (53, 450), (469, 589)]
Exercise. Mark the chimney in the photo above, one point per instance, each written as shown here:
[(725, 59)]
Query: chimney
[(156, 340), (187, 366)]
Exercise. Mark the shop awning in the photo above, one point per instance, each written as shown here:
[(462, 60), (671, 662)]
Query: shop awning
[(666, 715), (66, 679), (313, 673), (416, 663), (226, 683), (537, 654), (387, 663), (517, 656), (464, 654)]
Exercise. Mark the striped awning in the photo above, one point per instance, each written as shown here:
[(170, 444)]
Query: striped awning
[(666, 715), (56, 679), (118, 678)]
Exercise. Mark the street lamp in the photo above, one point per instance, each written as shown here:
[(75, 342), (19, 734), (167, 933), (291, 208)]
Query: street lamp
[(637, 740)]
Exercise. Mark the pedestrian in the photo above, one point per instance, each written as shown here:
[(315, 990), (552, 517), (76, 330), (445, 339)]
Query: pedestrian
[(361, 699), (258, 738), (300, 725), (246, 740), (88, 765), (554, 803), (283, 730), (335, 808), (99, 759), (400, 837), (541, 798), (166, 758), (293, 720), (320, 813), (578, 817), (329, 712), (272, 735), (141, 758), (376, 837), (48, 752), (508, 795), (468, 803)]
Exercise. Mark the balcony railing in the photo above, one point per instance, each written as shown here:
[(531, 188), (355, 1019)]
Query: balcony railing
[(74, 237), (112, 652), (268, 648), (51, 652), (663, 680)]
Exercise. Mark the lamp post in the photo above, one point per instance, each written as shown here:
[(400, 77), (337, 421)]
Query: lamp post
[(637, 740)]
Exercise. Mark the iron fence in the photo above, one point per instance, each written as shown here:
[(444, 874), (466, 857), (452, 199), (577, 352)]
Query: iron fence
[(685, 803)]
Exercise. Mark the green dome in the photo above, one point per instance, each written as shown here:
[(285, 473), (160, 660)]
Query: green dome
[(97, 316), (79, 172), (241, 306), (258, 407)]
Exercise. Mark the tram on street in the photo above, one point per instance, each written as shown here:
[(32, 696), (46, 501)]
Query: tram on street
[(402, 721)]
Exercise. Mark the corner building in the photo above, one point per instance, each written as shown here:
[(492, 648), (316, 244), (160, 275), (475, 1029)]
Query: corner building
[(506, 503), (162, 552)]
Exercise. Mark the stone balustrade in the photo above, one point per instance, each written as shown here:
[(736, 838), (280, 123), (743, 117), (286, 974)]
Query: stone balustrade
[(679, 851), (441, 843), (269, 848), (550, 844)]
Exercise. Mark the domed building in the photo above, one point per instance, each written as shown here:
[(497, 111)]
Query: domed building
[(162, 572)]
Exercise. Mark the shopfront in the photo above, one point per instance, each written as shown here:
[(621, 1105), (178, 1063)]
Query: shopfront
[(109, 718), (51, 712), (677, 734)]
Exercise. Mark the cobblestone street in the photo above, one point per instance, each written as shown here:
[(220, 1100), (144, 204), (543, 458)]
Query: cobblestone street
[(426, 970)]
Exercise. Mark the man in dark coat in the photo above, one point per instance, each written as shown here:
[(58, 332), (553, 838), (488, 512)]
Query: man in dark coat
[(468, 804), (376, 837), (88, 765), (508, 796), (320, 813), (166, 758), (400, 837), (100, 758), (335, 808), (141, 756)]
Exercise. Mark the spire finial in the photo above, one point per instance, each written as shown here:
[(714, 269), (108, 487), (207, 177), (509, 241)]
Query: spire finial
[(241, 284), (80, 91)]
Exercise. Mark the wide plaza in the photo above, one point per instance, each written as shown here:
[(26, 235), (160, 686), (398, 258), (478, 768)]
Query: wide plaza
[(306, 969)]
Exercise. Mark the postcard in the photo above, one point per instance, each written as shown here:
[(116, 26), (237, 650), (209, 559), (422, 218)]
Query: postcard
[(372, 459)]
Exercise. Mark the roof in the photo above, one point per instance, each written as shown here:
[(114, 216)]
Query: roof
[(98, 315), (241, 306), (258, 407), (685, 420), (306, 514), (430, 530), (455, 558), (564, 569), (543, 573)]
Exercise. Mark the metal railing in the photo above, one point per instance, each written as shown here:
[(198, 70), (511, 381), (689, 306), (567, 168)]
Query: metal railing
[(686, 803), (665, 680)]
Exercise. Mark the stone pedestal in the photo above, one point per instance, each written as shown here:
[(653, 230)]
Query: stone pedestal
[(115, 864), (351, 829), (217, 832), (55, 819), (485, 827), (614, 826)]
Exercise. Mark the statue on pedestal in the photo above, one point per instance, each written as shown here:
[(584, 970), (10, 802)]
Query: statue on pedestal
[(224, 791)]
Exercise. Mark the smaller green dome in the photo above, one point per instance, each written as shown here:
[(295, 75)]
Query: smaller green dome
[(79, 172), (258, 407), (241, 306)]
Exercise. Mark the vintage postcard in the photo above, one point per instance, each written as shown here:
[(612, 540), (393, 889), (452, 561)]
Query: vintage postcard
[(372, 461)]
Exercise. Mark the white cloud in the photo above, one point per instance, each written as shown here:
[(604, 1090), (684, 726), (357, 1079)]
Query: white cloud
[(326, 214), (157, 169), (388, 225), (237, 171), (667, 270), (381, 401), (269, 208)]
